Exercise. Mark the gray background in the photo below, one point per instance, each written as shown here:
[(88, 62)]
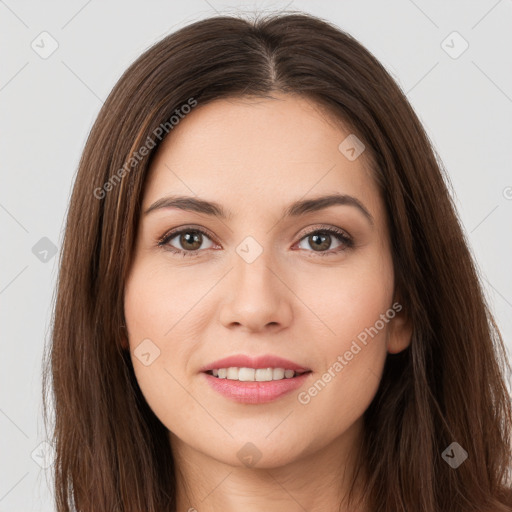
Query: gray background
[(48, 106)]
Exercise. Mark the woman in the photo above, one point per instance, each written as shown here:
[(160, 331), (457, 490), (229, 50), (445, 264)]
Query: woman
[(265, 300)]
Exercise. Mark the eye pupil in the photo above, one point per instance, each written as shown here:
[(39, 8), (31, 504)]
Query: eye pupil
[(320, 241), (191, 237)]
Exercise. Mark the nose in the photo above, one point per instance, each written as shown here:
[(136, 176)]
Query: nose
[(257, 297)]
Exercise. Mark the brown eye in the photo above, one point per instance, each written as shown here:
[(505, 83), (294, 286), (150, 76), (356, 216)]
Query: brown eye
[(320, 241), (189, 241)]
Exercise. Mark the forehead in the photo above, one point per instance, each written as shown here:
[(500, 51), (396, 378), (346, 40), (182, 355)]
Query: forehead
[(248, 152)]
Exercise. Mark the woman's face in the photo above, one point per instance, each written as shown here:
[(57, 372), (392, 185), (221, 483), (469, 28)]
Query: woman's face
[(264, 280)]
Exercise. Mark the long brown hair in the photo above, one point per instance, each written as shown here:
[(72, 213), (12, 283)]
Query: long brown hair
[(449, 385)]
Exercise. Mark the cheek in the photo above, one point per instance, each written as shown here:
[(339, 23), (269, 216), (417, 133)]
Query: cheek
[(355, 309), (157, 301), (349, 299), (159, 336)]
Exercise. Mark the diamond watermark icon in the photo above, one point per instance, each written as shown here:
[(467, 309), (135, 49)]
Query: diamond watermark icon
[(351, 147), (249, 249), (454, 45), (454, 455), (44, 45), (44, 454), (44, 250), (146, 352), (249, 455)]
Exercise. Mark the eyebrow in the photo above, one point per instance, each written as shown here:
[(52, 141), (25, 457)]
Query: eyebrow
[(296, 209)]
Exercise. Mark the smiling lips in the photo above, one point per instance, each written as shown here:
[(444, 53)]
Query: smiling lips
[(254, 380), (244, 361)]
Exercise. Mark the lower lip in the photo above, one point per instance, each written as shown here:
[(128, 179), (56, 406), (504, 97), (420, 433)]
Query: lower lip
[(255, 392)]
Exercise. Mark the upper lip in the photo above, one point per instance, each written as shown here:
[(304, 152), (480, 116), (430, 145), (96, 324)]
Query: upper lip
[(263, 361)]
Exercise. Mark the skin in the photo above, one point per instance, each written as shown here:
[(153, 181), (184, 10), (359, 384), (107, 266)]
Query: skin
[(255, 157)]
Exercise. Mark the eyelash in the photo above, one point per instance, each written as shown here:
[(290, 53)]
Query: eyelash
[(346, 240)]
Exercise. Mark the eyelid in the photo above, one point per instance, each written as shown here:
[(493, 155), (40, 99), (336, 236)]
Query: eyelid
[(325, 227), (176, 231)]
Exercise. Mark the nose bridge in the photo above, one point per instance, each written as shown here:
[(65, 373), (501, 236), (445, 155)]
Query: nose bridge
[(256, 295), (254, 271)]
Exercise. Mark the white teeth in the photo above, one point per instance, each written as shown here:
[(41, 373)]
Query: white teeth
[(263, 374), (253, 374), (232, 373), (242, 373), (277, 374)]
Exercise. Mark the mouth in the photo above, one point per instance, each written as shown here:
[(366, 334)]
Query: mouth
[(254, 380), (245, 374)]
